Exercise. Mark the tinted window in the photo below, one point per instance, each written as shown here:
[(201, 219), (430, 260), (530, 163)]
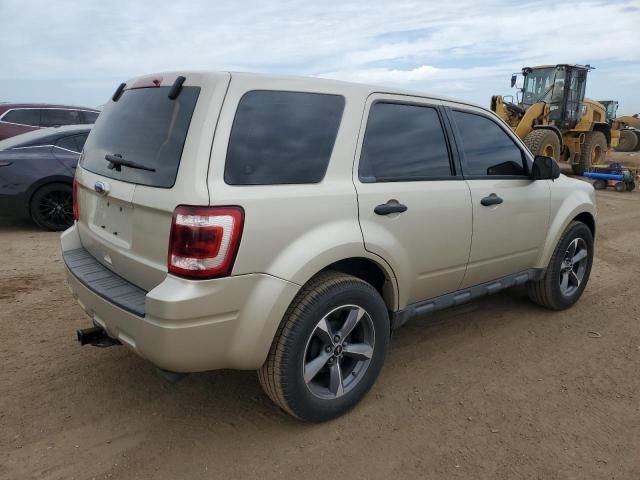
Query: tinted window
[(89, 117), (488, 150), (282, 137), (68, 143), (146, 127), (29, 116), (52, 117), (80, 140), (403, 142), (73, 143)]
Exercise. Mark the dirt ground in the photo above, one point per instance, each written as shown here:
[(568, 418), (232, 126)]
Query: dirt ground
[(496, 389)]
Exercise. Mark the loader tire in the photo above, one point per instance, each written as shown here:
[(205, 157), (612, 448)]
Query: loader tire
[(637, 149), (543, 142), (628, 141), (593, 152)]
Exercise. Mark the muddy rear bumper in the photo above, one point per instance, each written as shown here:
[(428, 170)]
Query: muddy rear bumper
[(190, 326)]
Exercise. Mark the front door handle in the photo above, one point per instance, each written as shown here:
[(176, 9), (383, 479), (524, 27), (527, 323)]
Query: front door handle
[(492, 199), (390, 207)]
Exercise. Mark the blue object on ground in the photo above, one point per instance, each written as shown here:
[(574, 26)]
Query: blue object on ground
[(604, 176)]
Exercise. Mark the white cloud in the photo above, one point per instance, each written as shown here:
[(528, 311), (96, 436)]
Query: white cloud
[(463, 47)]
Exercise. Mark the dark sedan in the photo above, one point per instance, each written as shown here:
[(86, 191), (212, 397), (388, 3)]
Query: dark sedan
[(17, 118), (36, 174)]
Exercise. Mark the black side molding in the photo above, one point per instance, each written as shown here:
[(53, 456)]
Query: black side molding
[(176, 87), (118, 93), (459, 297)]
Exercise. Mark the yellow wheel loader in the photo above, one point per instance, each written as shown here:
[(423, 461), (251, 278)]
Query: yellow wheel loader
[(629, 133), (553, 118)]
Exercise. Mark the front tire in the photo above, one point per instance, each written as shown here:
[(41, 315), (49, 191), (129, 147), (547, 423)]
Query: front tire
[(593, 152), (543, 142), (568, 271), (329, 348)]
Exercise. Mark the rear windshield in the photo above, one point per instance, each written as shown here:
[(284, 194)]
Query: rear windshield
[(146, 127)]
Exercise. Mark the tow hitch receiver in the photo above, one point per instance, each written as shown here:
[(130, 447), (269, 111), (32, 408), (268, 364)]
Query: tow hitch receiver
[(95, 336)]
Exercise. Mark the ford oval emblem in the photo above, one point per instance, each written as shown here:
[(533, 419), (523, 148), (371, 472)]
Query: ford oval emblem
[(102, 188)]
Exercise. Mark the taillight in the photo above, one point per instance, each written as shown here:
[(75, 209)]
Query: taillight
[(204, 241), (76, 205)]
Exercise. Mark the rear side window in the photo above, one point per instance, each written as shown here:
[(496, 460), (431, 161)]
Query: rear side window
[(282, 137), (80, 141), (27, 116), (89, 117), (53, 117), (146, 127), (402, 143), (73, 143), (68, 143), (488, 149)]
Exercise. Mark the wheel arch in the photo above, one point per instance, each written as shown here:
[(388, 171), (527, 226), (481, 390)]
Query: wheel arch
[(379, 276), (588, 219), (43, 182), (605, 128), (575, 208)]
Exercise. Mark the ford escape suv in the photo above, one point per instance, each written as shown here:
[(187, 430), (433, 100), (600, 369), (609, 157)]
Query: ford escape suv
[(288, 225)]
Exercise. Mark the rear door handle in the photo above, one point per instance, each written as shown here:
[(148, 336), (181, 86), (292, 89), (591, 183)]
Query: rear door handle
[(390, 207), (492, 199)]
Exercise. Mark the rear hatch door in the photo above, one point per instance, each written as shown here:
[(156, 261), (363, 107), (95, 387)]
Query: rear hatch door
[(126, 208)]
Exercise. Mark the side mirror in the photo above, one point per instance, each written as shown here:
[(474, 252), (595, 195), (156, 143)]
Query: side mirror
[(513, 80), (545, 168)]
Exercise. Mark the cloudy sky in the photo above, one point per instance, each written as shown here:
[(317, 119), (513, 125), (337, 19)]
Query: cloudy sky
[(79, 51)]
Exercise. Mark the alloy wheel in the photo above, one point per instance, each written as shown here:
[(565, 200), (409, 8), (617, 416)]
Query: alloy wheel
[(56, 208), (573, 267), (338, 352)]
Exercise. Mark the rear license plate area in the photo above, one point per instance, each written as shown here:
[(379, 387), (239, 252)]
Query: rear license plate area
[(113, 218)]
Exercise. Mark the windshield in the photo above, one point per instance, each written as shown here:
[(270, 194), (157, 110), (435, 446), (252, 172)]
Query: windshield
[(544, 84), (144, 127)]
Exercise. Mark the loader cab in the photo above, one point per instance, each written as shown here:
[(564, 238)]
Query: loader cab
[(611, 106), (560, 87)]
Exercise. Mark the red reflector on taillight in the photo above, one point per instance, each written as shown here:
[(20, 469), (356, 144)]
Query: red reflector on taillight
[(76, 205), (204, 241)]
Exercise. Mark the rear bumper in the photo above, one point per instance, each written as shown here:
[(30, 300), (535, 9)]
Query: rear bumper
[(191, 326)]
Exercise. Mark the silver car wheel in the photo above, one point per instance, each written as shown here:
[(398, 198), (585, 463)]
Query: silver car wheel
[(338, 352), (573, 267)]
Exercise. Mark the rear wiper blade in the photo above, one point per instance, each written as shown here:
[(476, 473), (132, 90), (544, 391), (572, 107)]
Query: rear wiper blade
[(116, 161)]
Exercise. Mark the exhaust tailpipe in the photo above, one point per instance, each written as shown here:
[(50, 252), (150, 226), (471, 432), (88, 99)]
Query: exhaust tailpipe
[(95, 336)]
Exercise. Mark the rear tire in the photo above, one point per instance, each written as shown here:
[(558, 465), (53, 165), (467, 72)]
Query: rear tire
[(628, 141), (51, 207), (543, 142), (600, 184), (593, 151), (637, 149), (620, 187), (317, 368), (551, 291)]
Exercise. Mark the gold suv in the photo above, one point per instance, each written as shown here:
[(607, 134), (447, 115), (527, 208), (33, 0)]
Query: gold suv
[(289, 225)]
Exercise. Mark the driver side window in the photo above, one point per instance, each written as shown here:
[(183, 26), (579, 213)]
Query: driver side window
[(486, 148)]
